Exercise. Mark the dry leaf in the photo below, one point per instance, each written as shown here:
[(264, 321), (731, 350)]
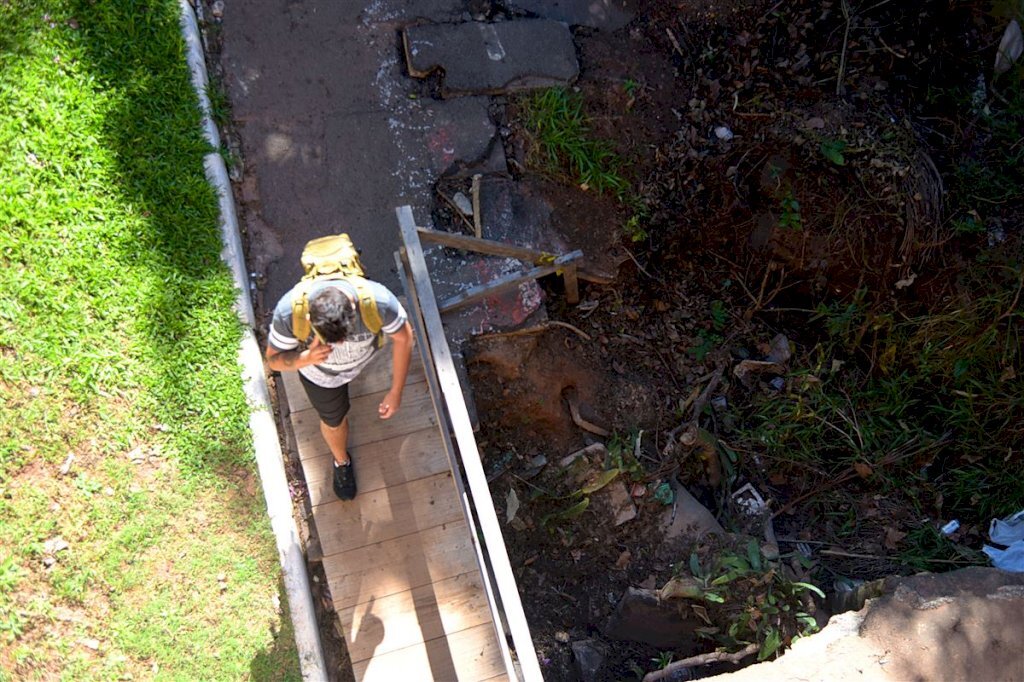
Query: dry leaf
[(863, 470), (893, 537)]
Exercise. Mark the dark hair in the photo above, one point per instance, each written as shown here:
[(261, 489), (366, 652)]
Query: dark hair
[(332, 314)]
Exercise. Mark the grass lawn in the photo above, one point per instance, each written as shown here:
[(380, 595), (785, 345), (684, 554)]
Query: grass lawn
[(134, 542)]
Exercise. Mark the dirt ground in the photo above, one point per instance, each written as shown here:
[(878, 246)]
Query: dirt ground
[(789, 155)]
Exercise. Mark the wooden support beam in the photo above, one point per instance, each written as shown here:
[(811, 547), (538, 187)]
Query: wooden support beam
[(476, 292), (462, 427), (485, 246), (572, 284)]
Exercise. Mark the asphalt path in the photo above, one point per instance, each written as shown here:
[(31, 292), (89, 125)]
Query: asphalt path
[(334, 134)]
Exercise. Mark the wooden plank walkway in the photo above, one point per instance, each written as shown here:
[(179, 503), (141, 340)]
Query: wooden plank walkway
[(399, 559)]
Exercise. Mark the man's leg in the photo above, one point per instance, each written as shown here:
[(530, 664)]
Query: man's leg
[(332, 406), (336, 438)]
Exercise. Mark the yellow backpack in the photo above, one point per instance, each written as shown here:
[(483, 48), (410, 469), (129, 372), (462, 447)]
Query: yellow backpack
[(333, 258)]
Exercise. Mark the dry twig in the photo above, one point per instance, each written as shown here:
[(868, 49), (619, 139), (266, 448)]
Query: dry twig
[(703, 659)]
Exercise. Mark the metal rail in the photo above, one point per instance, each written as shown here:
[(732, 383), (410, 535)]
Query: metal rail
[(502, 591)]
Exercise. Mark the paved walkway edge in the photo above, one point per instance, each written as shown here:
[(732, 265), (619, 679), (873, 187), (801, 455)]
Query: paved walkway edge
[(266, 443)]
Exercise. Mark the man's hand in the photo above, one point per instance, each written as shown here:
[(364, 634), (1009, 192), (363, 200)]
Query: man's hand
[(392, 401), (282, 361), (316, 353)]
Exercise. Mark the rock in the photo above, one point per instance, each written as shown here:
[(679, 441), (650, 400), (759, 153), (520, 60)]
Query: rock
[(493, 58), (685, 522), (597, 451), (640, 617), (463, 203), (562, 636), (620, 501), (962, 625), (589, 655), (54, 545)]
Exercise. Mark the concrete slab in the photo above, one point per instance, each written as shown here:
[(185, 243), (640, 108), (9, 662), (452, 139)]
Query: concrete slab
[(492, 58), (606, 15)]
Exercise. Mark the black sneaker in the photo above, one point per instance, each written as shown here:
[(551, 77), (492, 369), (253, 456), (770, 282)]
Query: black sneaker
[(344, 481)]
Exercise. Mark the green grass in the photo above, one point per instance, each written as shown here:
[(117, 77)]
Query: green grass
[(563, 147), (116, 333), (563, 143)]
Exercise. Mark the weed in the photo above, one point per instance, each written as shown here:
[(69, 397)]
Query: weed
[(789, 217), (631, 87), (754, 599), (663, 659), (621, 455), (562, 140), (833, 151)]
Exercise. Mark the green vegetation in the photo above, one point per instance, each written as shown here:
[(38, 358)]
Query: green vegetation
[(562, 146), (748, 599), (134, 543)]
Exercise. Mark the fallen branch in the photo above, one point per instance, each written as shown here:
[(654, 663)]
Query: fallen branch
[(689, 428), (703, 659), (543, 326), (579, 421)]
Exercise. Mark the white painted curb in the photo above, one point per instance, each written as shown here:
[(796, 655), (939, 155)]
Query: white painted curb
[(269, 458)]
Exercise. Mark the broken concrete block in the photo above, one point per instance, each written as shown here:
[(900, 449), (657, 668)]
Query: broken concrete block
[(482, 58), (590, 655), (607, 15), (640, 617)]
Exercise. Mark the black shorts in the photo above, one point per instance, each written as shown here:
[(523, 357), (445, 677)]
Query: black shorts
[(330, 403)]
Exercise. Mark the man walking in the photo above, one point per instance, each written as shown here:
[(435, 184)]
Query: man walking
[(339, 348)]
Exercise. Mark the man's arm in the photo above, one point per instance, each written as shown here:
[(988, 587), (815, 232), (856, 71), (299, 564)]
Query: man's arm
[(283, 361), (401, 352)]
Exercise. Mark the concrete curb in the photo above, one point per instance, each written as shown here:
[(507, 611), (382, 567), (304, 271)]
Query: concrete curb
[(266, 443)]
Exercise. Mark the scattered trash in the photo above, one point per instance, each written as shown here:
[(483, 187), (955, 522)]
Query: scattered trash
[(66, 466), (638, 490), (777, 384), (1010, 47), (537, 464), (664, 494), (562, 636), (906, 281), (723, 133), (719, 403), (511, 505), (90, 643), (750, 501), (1009, 533), (950, 528)]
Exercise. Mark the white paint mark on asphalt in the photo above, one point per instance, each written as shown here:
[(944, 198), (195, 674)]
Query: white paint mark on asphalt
[(495, 50)]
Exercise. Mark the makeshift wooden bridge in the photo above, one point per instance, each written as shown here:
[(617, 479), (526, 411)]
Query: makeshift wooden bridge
[(416, 564)]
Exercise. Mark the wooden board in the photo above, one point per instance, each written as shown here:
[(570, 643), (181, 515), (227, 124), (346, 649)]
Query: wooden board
[(387, 514), (415, 414), (466, 655), (397, 565), (376, 377), (379, 465), (407, 618)]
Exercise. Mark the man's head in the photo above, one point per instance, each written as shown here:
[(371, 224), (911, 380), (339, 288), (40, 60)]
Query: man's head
[(332, 314)]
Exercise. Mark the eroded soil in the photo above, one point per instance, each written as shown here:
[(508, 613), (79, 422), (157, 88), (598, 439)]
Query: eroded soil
[(790, 156)]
